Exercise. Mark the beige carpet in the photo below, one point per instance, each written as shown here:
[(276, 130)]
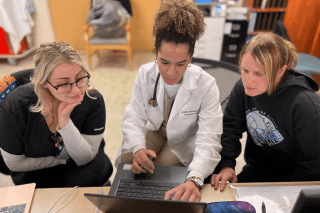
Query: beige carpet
[(112, 77)]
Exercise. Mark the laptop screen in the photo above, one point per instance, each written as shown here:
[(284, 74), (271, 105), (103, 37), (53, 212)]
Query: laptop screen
[(307, 201), (107, 203)]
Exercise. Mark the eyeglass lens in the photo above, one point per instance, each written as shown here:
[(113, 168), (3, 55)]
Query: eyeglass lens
[(67, 88)]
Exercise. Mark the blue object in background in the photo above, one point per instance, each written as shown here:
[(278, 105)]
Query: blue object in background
[(203, 1), (218, 9), (309, 63)]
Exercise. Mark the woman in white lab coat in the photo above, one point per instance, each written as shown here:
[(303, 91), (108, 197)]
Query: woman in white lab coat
[(174, 116)]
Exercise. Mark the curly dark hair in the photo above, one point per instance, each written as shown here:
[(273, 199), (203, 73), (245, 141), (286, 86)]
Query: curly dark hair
[(179, 22)]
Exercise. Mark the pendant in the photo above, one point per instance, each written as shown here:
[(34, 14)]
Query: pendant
[(58, 141)]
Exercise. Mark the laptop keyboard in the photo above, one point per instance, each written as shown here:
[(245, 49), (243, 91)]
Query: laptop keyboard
[(13, 209), (142, 189)]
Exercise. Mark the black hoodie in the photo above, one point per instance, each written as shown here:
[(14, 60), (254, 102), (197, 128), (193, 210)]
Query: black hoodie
[(283, 128)]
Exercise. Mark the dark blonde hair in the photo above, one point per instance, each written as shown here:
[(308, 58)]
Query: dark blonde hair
[(47, 57), (271, 52), (179, 22)]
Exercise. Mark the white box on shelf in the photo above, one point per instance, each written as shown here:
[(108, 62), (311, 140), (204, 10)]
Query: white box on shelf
[(209, 46)]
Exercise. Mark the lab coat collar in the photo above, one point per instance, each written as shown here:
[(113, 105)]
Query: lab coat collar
[(189, 83)]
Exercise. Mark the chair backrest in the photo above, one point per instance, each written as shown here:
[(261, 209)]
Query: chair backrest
[(12, 81), (205, 63), (225, 73), (281, 30), (98, 38), (108, 18), (7, 84)]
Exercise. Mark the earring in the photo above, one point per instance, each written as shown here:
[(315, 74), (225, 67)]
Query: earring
[(189, 65), (156, 62)]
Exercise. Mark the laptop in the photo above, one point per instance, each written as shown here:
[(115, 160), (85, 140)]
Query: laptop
[(164, 178), (16, 198), (308, 200), (139, 193), (114, 204)]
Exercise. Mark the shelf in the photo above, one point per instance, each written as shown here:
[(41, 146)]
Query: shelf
[(12, 59), (264, 14), (268, 9), (21, 55), (260, 31), (205, 4)]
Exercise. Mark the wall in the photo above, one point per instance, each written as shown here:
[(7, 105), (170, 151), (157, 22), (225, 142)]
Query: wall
[(42, 31), (142, 23), (69, 16)]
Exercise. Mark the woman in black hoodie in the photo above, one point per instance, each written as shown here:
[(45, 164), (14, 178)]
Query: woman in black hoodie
[(278, 107)]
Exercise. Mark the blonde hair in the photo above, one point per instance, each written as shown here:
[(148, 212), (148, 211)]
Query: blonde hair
[(271, 52), (179, 22), (47, 57)]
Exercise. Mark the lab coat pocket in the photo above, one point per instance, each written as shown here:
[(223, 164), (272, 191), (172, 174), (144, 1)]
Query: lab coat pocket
[(188, 125)]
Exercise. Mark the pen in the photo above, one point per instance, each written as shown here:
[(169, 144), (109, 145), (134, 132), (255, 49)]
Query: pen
[(100, 193), (263, 208)]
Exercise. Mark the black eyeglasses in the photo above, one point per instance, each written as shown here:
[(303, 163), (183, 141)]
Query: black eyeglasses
[(65, 88)]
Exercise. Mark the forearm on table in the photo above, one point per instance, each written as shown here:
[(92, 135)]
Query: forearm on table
[(81, 148), (21, 163)]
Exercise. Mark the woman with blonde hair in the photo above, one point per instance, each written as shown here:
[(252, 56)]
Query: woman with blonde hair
[(278, 108), (51, 129), (174, 116)]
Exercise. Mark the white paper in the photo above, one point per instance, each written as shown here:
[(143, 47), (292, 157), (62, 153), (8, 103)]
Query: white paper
[(284, 196), (256, 201), (127, 166)]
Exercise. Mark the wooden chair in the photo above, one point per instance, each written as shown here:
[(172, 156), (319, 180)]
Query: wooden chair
[(94, 44)]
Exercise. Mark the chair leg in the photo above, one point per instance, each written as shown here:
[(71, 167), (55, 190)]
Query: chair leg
[(89, 59), (129, 53)]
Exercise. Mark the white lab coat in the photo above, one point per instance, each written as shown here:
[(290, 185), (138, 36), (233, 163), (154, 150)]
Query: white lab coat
[(194, 127)]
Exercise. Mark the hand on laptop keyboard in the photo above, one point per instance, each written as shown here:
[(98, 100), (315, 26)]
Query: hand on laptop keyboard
[(187, 191)]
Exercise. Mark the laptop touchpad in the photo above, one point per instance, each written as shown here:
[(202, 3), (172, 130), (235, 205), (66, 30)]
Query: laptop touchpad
[(159, 174)]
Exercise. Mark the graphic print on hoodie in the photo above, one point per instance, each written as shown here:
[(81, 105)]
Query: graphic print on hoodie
[(262, 129)]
